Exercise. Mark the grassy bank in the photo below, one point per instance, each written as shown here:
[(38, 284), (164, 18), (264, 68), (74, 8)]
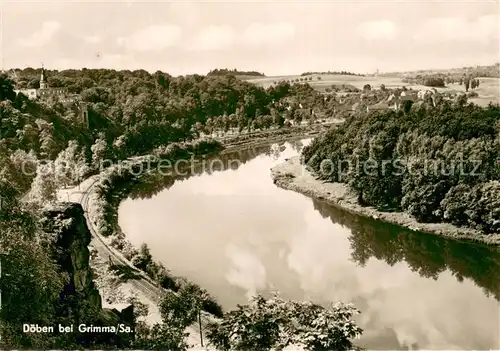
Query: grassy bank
[(292, 175)]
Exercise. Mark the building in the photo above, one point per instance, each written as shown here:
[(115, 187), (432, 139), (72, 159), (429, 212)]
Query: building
[(46, 92), (381, 106), (61, 94)]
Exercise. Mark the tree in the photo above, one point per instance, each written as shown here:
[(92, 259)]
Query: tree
[(298, 116), (24, 164), (276, 324), (277, 118), (434, 82), (161, 336), (6, 88), (69, 164), (44, 186), (48, 146), (99, 150), (143, 258), (181, 309), (198, 128), (26, 266), (178, 311)]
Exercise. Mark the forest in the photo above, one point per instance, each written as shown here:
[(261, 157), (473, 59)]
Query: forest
[(234, 72), (437, 163), (131, 113)]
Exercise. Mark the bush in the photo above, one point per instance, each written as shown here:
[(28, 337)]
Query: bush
[(211, 306), (160, 337), (434, 82), (167, 281), (276, 324)]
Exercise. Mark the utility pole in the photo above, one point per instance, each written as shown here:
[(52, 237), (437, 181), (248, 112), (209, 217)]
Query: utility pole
[(201, 331)]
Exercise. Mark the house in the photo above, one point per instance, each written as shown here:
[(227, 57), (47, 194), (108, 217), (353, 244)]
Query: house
[(396, 101), (381, 106), (344, 108)]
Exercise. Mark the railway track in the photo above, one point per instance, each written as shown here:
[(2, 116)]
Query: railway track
[(145, 285)]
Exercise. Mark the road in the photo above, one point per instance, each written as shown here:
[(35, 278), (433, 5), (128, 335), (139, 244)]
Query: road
[(143, 285)]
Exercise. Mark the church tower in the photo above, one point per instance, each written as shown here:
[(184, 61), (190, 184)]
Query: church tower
[(43, 80)]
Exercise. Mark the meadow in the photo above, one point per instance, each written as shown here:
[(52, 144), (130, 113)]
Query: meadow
[(488, 89)]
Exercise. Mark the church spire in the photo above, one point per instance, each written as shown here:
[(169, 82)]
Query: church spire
[(43, 80)]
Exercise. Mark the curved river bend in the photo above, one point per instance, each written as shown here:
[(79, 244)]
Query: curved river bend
[(235, 233)]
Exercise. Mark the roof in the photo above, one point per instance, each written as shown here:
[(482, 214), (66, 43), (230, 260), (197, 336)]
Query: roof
[(344, 107), (380, 106), (408, 98)]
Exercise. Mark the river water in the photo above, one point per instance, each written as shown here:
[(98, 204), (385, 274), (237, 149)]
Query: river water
[(235, 233)]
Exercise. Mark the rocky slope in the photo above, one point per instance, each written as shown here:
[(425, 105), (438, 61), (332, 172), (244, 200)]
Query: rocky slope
[(69, 234)]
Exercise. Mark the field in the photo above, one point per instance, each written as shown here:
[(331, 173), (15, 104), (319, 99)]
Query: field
[(488, 89)]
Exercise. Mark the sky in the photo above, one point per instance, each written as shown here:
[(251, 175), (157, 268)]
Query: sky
[(276, 38)]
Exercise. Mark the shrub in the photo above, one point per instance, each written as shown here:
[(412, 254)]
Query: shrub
[(434, 82), (276, 324)]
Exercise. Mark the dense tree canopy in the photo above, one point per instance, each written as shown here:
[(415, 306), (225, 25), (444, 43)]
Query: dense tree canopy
[(234, 72), (436, 163), (139, 111)]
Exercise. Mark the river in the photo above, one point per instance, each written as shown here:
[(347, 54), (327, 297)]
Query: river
[(235, 233)]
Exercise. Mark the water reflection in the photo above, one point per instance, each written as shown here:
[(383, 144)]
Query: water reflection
[(440, 312), (236, 233), (426, 254), (152, 184)]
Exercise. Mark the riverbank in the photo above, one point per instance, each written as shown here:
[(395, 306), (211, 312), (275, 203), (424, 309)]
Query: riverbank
[(292, 175), (100, 210), (115, 291)]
